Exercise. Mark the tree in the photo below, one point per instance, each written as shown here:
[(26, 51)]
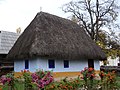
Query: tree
[(109, 45), (93, 16)]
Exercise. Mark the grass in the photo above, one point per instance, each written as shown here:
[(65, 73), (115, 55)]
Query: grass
[(118, 81), (18, 86)]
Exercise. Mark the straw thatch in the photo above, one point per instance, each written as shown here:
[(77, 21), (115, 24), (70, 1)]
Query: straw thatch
[(50, 36)]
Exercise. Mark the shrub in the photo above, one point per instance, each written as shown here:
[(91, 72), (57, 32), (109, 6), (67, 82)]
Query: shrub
[(41, 79), (27, 79), (9, 80), (65, 84), (88, 77), (108, 80)]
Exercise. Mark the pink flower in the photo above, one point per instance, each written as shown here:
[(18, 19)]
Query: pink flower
[(42, 79), (85, 68), (8, 80), (82, 71)]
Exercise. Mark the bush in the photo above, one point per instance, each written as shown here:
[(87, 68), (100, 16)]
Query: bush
[(108, 80), (66, 84), (43, 80), (9, 80), (29, 81), (88, 77)]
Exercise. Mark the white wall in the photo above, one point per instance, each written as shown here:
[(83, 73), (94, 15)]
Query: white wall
[(0, 40), (33, 65), (19, 65), (74, 65), (97, 64)]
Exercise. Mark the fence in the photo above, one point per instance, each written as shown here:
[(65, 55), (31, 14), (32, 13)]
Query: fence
[(111, 68)]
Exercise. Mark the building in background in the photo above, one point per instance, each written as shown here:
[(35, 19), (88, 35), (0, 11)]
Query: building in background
[(111, 62), (7, 40)]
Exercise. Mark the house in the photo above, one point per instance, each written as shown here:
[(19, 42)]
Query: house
[(111, 61), (53, 43), (7, 39)]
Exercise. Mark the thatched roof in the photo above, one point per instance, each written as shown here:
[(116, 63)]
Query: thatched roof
[(50, 36)]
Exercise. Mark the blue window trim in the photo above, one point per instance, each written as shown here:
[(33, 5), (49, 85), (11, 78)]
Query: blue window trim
[(66, 63), (51, 63), (26, 64)]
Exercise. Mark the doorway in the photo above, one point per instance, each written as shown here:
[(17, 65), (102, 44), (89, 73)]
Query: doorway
[(90, 63)]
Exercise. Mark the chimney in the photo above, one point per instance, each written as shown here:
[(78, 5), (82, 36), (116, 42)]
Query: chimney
[(18, 30)]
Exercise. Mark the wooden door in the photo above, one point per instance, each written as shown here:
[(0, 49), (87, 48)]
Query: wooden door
[(90, 63)]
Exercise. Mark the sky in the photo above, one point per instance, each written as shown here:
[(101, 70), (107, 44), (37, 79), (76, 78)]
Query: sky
[(19, 13)]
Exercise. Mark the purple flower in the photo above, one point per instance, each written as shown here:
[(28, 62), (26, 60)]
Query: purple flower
[(8, 80), (5, 79), (42, 80)]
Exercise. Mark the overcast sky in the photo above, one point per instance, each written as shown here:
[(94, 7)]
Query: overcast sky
[(19, 13)]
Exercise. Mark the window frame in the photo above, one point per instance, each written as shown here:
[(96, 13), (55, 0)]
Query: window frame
[(26, 64), (66, 63), (51, 63)]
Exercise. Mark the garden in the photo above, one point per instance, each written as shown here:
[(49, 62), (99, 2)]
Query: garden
[(43, 80)]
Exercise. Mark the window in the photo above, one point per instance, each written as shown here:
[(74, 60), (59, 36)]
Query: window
[(66, 64), (26, 64), (51, 63)]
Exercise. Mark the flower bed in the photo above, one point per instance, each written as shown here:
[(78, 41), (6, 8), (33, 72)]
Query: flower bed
[(43, 80)]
